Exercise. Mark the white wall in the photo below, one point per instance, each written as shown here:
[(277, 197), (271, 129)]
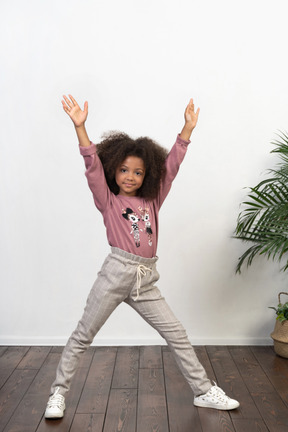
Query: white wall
[(137, 63)]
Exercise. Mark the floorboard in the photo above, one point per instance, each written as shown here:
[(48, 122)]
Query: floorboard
[(140, 389)]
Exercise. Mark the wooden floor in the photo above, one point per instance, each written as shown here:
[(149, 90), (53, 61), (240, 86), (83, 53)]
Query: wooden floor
[(131, 389)]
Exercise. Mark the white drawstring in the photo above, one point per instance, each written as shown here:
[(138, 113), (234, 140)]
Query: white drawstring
[(141, 271)]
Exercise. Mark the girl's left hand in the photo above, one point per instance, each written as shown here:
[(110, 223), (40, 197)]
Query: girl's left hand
[(191, 117)]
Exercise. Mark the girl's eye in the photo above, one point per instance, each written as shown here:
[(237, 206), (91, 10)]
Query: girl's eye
[(123, 170), (138, 173)]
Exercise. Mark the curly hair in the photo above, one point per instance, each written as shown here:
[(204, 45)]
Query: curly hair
[(117, 146)]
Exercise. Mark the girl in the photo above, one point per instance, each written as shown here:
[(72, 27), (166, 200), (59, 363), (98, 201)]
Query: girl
[(129, 180)]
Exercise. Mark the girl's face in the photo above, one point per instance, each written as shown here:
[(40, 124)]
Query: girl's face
[(129, 175)]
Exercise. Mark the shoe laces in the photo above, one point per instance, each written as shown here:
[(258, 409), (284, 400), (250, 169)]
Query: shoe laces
[(217, 393), (56, 400)]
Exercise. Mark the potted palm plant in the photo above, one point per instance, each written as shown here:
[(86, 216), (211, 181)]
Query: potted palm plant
[(264, 222)]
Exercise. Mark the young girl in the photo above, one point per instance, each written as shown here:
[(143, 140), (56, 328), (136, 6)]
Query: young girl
[(129, 180)]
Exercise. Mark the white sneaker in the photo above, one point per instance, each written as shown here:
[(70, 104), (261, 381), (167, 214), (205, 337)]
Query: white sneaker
[(216, 398), (55, 406)]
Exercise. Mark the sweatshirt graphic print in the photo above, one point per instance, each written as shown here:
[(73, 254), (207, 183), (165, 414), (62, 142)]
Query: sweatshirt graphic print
[(133, 217)]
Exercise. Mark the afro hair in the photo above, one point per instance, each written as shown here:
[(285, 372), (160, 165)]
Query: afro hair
[(117, 146)]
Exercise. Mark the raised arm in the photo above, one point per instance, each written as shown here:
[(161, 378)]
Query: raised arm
[(191, 119), (178, 151), (78, 117)]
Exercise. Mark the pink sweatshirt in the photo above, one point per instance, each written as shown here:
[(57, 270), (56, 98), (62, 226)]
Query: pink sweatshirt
[(131, 222)]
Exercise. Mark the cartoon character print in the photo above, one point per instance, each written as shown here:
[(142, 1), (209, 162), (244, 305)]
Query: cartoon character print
[(132, 217), (145, 217)]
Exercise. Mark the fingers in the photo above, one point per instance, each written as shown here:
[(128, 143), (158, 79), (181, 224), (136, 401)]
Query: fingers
[(65, 106), (73, 100), (191, 108), (86, 107), (191, 105), (68, 104)]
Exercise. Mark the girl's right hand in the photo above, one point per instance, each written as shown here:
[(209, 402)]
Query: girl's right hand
[(72, 108)]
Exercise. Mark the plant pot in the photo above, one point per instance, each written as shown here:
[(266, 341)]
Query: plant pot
[(280, 337)]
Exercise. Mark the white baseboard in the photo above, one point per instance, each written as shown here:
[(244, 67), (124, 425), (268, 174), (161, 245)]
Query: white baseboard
[(40, 341)]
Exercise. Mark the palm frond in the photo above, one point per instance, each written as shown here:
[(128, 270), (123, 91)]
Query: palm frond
[(264, 220)]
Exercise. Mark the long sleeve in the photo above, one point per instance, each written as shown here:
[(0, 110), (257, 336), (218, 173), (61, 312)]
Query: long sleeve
[(96, 177), (172, 163)]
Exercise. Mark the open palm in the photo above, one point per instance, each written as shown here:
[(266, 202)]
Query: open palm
[(191, 117), (72, 108)]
